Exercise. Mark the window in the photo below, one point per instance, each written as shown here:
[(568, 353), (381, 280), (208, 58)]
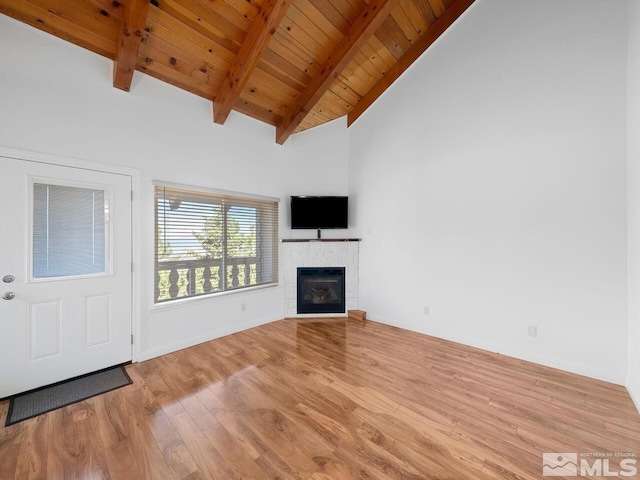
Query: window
[(209, 242), (69, 231)]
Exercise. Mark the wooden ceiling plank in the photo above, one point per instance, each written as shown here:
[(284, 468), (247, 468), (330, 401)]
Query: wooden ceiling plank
[(285, 66), (431, 35), (245, 106), (374, 67), (345, 9), (169, 76), (44, 20), (311, 28), (333, 105), (412, 12), (331, 14), (312, 13), (365, 69), (312, 120), (354, 81), (290, 58), (180, 59), (112, 8), (270, 90), (382, 51), (82, 14), (427, 13), (312, 45), (242, 20), (236, 30), (390, 43), (268, 104), (345, 93), (282, 77), (405, 24), (366, 24), (398, 35), (255, 43), (287, 47), (368, 54), (348, 93), (247, 8), (194, 22), (276, 88), (374, 57), (133, 22), (438, 7), (157, 51), (85, 14), (359, 77), (358, 5), (169, 27), (170, 37)]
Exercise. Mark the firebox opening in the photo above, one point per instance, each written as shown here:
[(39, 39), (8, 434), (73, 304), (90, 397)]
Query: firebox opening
[(321, 290)]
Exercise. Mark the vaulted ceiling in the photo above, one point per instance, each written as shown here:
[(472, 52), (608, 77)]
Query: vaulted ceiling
[(294, 64)]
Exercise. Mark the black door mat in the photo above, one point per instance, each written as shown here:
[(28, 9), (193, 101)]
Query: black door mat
[(42, 400)]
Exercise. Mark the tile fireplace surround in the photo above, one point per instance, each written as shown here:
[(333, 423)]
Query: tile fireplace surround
[(320, 253)]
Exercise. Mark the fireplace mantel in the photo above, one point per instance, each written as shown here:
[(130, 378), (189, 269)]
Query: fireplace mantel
[(299, 240)]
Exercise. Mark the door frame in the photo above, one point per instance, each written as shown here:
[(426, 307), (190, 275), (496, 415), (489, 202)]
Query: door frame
[(136, 223)]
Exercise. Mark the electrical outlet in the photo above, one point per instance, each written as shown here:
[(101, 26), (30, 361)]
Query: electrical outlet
[(243, 307), (533, 331), (427, 310)]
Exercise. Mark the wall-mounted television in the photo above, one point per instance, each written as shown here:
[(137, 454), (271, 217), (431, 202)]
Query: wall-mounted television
[(315, 213)]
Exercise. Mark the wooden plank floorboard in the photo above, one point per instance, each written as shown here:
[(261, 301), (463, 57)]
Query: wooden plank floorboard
[(325, 399)]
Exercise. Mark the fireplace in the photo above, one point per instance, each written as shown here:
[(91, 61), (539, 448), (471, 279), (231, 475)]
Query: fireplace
[(321, 290)]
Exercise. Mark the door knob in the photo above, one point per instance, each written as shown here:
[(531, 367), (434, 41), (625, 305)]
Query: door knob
[(8, 278), (8, 296)]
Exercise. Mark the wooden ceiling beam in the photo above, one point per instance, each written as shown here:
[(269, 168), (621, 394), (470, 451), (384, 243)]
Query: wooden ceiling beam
[(359, 33), (128, 43), (423, 42), (254, 45)]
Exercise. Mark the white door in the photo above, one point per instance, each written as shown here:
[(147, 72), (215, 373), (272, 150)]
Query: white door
[(65, 273)]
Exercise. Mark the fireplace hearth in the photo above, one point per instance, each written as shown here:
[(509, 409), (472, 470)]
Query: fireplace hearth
[(321, 290)]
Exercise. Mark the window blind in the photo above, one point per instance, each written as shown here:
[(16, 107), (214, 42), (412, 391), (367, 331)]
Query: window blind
[(208, 242), (69, 231)]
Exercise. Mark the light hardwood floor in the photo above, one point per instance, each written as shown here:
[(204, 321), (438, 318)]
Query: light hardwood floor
[(320, 400)]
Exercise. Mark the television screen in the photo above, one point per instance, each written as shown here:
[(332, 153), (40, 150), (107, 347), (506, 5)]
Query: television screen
[(319, 212)]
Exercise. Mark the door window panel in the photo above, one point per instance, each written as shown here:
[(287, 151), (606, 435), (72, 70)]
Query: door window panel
[(69, 231)]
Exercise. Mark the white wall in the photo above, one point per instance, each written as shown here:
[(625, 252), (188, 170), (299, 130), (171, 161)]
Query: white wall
[(633, 193), (489, 184), (57, 98)]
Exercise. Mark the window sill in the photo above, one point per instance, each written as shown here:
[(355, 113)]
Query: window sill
[(182, 302)]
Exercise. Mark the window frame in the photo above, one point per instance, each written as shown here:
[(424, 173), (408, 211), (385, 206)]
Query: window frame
[(108, 234), (266, 247)]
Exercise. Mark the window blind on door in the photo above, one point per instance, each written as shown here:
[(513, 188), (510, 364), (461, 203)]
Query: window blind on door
[(69, 231)]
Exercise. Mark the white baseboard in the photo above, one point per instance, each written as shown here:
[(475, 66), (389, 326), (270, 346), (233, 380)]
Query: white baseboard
[(190, 342), (634, 392), (532, 357)]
